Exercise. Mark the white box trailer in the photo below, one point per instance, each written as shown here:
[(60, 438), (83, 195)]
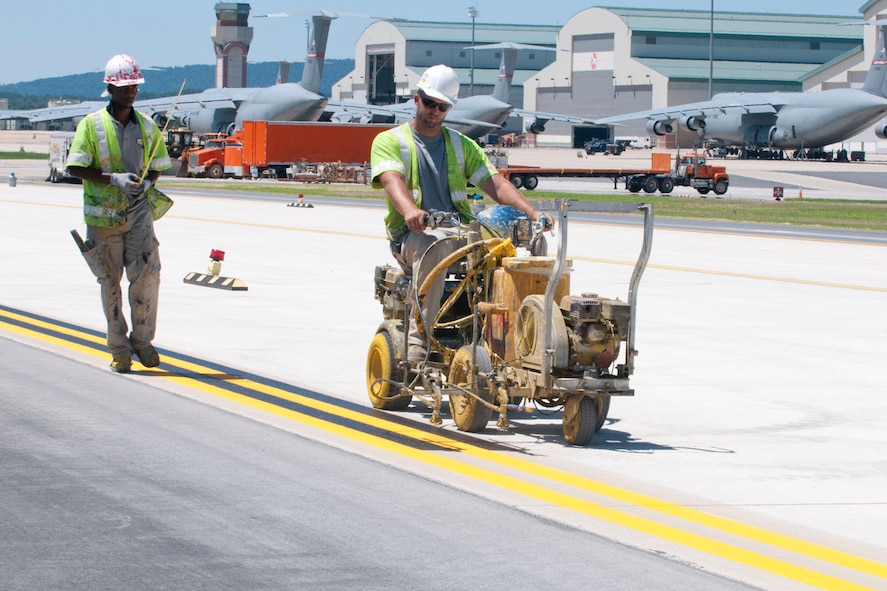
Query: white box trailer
[(59, 144)]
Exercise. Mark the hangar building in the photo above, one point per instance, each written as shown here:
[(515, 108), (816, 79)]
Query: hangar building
[(390, 56), (617, 60)]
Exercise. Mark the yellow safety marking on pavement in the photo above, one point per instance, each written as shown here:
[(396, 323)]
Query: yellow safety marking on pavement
[(546, 495), (737, 275)]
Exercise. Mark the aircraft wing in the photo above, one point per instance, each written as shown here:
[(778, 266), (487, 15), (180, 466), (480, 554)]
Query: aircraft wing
[(208, 99), (543, 117), (53, 113), (214, 98), (756, 103), (352, 111), (400, 113)]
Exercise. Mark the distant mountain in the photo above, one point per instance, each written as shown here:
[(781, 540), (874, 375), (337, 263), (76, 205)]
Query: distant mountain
[(160, 82)]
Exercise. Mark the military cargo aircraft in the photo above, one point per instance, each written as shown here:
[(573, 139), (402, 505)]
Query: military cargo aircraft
[(782, 120), (225, 109), (474, 115)]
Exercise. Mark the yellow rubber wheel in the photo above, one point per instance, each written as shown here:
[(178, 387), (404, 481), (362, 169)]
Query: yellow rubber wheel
[(469, 414), (382, 365), (580, 419)]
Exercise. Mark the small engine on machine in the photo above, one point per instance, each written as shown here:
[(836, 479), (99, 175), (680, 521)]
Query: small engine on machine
[(596, 328)]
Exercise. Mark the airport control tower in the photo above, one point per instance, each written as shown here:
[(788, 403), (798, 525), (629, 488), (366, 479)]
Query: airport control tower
[(231, 38)]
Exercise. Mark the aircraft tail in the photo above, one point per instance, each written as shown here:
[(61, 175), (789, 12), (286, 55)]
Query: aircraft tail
[(283, 72), (502, 90), (320, 29), (876, 80)]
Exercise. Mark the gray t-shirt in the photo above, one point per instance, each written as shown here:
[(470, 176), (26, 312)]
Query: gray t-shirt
[(433, 179)]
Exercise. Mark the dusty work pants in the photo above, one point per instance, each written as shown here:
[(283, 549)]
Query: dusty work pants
[(414, 245), (134, 248)]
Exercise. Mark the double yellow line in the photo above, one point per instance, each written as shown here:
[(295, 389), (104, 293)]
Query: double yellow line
[(424, 445)]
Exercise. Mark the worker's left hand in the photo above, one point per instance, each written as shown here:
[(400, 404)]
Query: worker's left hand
[(546, 220), (146, 184)]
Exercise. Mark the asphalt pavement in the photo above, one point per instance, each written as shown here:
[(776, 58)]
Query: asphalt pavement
[(759, 382)]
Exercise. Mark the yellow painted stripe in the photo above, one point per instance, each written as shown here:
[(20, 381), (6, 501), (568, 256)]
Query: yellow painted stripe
[(534, 491)]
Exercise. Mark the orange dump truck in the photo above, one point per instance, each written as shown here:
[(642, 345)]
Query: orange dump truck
[(277, 146)]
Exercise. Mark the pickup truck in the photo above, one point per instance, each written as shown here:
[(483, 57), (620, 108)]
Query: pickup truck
[(604, 147)]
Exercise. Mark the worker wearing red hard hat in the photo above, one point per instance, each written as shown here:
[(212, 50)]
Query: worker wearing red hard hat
[(425, 166), (119, 154)]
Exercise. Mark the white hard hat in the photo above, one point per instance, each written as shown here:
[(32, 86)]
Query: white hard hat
[(440, 82), (122, 70)]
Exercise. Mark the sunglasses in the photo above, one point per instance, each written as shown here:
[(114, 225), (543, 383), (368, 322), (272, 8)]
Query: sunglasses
[(442, 107)]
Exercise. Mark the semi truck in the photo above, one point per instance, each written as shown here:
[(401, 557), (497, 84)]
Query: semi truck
[(277, 148), (688, 170)]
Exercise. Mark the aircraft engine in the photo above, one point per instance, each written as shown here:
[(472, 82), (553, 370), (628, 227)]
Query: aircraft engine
[(159, 119), (536, 126), (779, 137), (660, 127), (881, 129), (209, 120), (692, 123)]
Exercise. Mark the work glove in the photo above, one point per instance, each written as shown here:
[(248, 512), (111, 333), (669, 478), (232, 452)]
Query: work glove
[(128, 182), (146, 184)]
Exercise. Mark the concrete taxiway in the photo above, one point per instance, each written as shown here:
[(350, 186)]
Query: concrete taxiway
[(759, 383)]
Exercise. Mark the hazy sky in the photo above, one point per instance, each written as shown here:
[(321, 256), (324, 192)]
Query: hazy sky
[(59, 37)]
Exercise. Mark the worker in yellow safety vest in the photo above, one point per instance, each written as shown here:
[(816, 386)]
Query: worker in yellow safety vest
[(119, 153), (424, 166)]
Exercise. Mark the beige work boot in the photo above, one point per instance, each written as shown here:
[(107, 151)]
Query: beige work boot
[(121, 364), (148, 356)]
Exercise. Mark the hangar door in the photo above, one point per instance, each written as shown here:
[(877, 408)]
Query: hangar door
[(380, 75)]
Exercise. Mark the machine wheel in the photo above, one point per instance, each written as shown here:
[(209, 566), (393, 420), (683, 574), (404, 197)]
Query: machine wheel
[(468, 414), (531, 182), (580, 419), (215, 171), (603, 409), (666, 185), (703, 190), (650, 184), (517, 181), (720, 187), (634, 184), (382, 363)]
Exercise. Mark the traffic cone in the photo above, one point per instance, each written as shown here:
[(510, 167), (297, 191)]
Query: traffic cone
[(800, 192)]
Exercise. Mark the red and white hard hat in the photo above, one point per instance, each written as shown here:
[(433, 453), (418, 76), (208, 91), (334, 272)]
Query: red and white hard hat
[(440, 82), (122, 70)]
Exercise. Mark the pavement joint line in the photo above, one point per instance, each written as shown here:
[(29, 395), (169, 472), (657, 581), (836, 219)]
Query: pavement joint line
[(737, 275), (538, 492)]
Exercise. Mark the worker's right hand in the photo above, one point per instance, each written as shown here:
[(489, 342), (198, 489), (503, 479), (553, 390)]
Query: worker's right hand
[(415, 220), (128, 182)]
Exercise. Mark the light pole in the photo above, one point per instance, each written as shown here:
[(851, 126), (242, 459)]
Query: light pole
[(711, 42), (472, 13)]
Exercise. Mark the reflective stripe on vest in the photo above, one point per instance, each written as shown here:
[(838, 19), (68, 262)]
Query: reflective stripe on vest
[(407, 146), (101, 133)]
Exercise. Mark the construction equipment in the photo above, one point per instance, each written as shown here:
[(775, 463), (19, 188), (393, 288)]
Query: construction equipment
[(179, 140), (508, 334)]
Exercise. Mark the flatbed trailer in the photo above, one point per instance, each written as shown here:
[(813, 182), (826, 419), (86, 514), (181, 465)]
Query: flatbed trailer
[(691, 171), (527, 177)]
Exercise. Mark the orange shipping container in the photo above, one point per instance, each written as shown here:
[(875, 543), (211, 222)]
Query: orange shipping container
[(268, 143)]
